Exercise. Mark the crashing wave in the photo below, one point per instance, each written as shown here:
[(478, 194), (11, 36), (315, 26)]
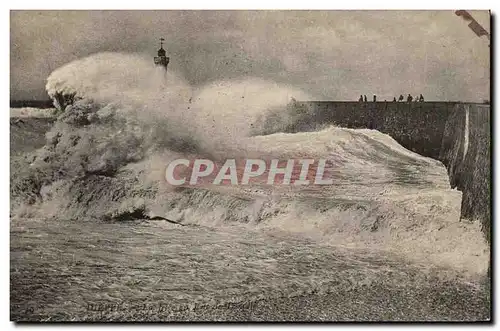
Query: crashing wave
[(123, 120)]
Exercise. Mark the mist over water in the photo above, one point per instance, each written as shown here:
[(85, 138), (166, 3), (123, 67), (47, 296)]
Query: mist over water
[(107, 153), (218, 116)]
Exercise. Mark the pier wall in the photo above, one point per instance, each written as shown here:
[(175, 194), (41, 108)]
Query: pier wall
[(457, 134)]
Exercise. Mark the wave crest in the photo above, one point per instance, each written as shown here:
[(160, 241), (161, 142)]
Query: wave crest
[(106, 155)]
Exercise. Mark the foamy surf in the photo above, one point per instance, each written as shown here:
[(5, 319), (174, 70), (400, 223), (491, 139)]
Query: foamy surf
[(106, 156)]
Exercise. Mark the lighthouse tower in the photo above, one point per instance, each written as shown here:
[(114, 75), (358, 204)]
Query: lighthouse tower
[(162, 59)]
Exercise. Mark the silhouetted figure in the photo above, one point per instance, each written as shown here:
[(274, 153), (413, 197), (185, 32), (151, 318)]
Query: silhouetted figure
[(360, 98), (410, 98), (401, 97), (374, 98), (421, 98), (394, 100), (366, 100)]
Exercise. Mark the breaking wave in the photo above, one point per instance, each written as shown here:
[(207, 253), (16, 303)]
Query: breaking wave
[(106, 155)]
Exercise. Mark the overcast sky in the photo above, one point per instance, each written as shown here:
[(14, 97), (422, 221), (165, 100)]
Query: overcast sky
[(335, 55)]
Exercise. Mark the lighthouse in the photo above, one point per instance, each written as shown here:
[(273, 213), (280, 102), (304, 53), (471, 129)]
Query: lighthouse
[(162, 59)]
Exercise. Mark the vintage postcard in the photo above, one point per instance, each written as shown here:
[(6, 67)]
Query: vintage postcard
[(250, 166)]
